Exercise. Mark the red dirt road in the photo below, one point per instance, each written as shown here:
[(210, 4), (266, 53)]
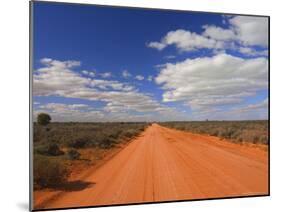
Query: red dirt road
[(165, 164)]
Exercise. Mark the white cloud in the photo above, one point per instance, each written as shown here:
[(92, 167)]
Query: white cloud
[(59, 107), (139, 77), (156, 45), (126, 74), (242, 31), (256, 111), (85, 72), (258, 106), (110, 84), (46, 61), (252, 52), (213, 81), (57, 63), (106, 74), (64, 113), (251, 30), (150, 78), (170, 57), (70, 112), (58, 79), (88, 73), (206, 84), (247, 30), (187, 41), (218, 33)]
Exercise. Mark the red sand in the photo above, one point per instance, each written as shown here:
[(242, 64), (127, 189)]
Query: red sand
[(165, 164)]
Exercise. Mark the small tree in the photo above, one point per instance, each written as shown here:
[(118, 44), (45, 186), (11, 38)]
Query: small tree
[(43, 119)]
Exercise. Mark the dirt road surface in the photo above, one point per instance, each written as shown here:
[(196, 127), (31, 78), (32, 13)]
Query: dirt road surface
[(164, 165)]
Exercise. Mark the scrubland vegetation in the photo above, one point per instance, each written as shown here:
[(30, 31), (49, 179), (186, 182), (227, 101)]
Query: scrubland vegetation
[(236, 131), (58, 145), (59, 148)]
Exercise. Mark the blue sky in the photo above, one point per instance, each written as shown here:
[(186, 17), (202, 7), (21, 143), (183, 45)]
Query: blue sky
[(117, 64)]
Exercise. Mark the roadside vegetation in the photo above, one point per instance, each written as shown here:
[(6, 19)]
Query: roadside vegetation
[(237, 131), (60, 147)]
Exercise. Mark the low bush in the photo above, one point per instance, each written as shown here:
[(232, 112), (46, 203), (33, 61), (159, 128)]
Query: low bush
[(263, 139), (237, 131), (84, 135), (107, 142), (51, 149), (73, 154), (49, 172), (129, 133), (79, 142)]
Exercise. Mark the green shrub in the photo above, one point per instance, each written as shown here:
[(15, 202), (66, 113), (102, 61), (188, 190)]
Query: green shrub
[(79, 142), (107, 142), (263, 139), (49, 172), (236, 131), (83, 135), (51, 149), (214, 133), (73, 154), (129, 133), (115, 134), (240, 139), (255, 139)]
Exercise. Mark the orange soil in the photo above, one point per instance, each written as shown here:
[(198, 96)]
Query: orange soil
[(165, 165)]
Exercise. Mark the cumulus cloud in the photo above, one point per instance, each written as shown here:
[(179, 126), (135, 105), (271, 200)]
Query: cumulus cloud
[(213, 81), (156, 45), (126, 74), (242, 31), (257, 110), (251, 107), (251, 30), (106, 74), (57, 78), (59, 107), (57, 63), (252, 51), (218, 33), (111, 112), (139, 77), (185, 40), (247, 30), (70, 112), (150, 78), (88, 73), (110, 84)]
